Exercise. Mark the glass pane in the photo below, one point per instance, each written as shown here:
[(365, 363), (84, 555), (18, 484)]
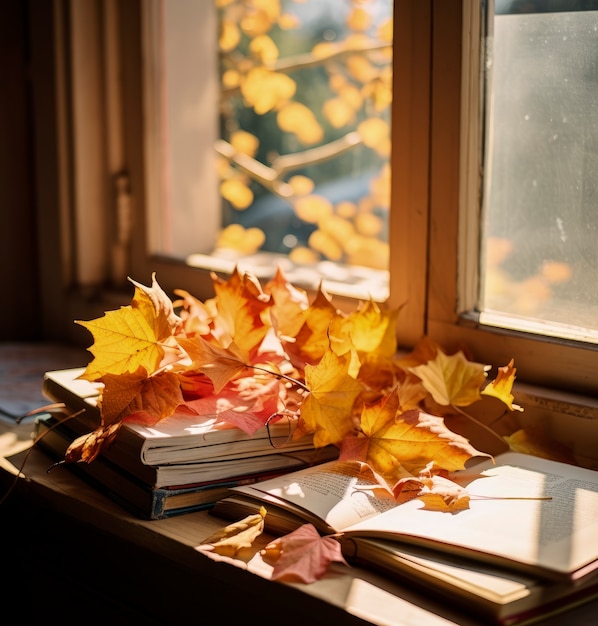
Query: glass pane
[(540, 236), (297, 139)]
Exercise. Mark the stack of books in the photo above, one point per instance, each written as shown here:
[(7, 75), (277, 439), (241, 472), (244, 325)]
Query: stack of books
[(184, 463), (526, 548)]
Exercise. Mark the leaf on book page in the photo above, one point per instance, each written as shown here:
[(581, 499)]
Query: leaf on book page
[(396, 445), (234, 538), (436, 492), (302, 556)]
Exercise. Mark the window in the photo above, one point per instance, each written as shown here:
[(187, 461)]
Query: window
[(541, 226), (271, 138), (437, 182)]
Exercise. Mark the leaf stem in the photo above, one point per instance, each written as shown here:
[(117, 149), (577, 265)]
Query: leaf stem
[(281, 375), (478, 423)]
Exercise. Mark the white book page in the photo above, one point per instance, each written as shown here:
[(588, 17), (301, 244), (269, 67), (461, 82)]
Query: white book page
[(340, 497), (560, 533)]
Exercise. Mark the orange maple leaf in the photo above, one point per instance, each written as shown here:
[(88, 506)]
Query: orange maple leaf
[(452, 380), (502, 385), (316, 334), (220, 364), (154, 397), (288, 305), (303, 555), (327, 411), (242, 308)]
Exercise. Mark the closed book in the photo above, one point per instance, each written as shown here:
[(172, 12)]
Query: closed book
[(180, 438), (144, 500), (207, 470)]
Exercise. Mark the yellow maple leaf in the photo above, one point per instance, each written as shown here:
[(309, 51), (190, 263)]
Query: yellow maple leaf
[(327, 410), (396, 444), (502, 385), (452, 380), (133, 336), (233, 538), (373, 330)]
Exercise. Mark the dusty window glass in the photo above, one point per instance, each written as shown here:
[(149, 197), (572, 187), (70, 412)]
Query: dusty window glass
[(540, 232)]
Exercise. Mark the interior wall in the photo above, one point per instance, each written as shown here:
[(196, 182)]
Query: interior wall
[(19, 302)]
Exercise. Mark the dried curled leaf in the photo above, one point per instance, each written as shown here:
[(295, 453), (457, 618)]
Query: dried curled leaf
[(231, 539)]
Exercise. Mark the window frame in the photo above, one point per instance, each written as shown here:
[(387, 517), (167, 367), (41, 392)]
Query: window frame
[(436, 186)]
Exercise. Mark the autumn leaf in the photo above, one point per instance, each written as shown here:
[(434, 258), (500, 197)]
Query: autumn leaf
[(87, 447), (220, 364), (288, 305), (502, 385), (436, 492), (156, 397), (397, 444), (234, 538), (327, 410), (242, 307), (133, 336), (246, 404), (314, 337), (452, 380), (302, 556), (373, 330)]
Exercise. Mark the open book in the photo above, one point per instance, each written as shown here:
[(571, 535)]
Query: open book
[(528, 514)]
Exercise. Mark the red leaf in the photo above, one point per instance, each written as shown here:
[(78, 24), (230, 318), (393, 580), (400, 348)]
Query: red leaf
[(303, 555)]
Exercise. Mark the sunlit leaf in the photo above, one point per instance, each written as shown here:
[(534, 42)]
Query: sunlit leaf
[(452, 380), (303, 555), (502, 385), (328, 409), (231, 539)]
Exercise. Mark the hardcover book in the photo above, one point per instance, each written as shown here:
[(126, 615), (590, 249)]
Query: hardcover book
[(180, 438), (198, 489)]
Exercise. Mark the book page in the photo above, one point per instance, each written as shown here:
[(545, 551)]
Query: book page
[(526, 509), (334, 492)]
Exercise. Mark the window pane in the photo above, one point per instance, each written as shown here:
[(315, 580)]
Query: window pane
[(541, 209), (301, 156)]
